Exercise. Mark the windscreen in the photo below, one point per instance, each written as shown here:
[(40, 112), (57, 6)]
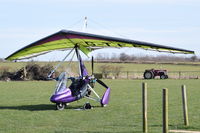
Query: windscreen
[(61, 82)]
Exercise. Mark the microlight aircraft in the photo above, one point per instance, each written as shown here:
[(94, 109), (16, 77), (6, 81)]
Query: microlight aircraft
[(83, 85)]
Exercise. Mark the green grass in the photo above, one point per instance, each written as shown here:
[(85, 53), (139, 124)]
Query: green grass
[(25, 108)]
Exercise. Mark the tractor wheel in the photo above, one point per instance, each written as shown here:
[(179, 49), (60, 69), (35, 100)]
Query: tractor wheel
[(60, 106), (163, 76), (148, 75)]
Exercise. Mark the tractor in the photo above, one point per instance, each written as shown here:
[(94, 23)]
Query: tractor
[(152, 73)]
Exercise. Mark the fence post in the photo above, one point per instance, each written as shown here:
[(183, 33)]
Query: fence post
[(179, 74), (25, 73), (185, 109), (127, 74), (144, 107), (165, 110)]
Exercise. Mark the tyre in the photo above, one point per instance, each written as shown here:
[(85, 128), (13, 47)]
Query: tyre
[(87, 106), (162, 76), (60, 106), (148, 75)]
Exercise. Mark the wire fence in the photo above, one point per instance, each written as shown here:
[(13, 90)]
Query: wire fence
[(139, 75)]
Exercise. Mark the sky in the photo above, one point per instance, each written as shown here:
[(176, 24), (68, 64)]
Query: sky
[(166, 22)]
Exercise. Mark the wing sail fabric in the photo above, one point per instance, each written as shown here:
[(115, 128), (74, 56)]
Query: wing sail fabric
[(65, 39)]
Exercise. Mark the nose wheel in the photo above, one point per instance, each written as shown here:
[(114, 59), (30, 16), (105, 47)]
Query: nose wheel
[(60, 106)]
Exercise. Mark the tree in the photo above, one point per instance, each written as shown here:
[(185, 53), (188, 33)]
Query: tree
[(2, 60), (123, 57), (194, 58)]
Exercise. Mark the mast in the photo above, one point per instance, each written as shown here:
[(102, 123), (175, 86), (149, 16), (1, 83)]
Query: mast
[(82, 69), (79, 61), (85, 24)]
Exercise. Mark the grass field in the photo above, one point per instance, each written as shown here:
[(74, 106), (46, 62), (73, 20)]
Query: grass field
[(25, 108)]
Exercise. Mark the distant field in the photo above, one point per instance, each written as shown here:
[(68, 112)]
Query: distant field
[(127, 71), (25, 108), (125, 66)]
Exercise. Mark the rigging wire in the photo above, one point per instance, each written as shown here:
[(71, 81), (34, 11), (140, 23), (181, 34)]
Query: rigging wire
[(60, 63), (68, 67), (107, 28), (75, 24)]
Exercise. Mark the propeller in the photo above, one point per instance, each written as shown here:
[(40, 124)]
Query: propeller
[(102, 83), (98, 80)]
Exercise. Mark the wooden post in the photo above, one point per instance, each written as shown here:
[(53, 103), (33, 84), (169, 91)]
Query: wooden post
[(127, 74), (185, 109), (24, 73), (144, 107), (179, 75), (165, 110)]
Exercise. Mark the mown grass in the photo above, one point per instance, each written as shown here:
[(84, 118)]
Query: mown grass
[(25, 108)]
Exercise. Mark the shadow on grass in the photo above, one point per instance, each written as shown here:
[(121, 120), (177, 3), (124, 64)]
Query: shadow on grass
[(40, 107)]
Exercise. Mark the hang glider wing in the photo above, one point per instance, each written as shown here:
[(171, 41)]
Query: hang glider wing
[(66, 39)]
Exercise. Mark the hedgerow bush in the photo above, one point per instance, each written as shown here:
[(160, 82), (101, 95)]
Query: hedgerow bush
[(31, 71)]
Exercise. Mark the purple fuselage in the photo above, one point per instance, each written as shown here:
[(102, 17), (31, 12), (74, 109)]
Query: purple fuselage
[(63, 97)]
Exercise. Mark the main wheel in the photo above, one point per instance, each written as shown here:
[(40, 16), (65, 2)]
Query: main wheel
[(60, 106), (148, 75)]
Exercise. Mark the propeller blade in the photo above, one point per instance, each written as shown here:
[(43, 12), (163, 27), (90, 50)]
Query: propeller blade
[(102, 83), (92, 65)]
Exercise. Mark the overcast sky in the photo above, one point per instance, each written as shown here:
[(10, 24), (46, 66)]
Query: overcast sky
[(167, 22)]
